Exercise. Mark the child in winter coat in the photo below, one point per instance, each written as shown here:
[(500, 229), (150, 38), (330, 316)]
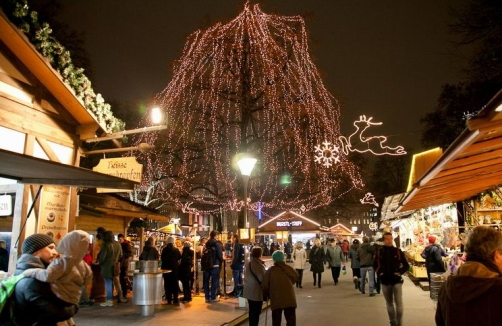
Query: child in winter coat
[(68, 273)]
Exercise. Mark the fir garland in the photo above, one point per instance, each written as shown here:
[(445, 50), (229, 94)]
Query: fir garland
[(40, 35)]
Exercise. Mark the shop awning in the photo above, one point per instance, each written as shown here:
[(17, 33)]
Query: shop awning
[(471, 165), (170, 229), (31, 170)]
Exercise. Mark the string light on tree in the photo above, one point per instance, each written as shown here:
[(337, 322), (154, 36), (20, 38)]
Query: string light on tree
[(247, 86)]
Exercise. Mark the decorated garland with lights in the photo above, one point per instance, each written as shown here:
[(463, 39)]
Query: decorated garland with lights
[(40, 35), (246, 86)]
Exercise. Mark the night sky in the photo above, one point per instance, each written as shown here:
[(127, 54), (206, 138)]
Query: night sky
[(385, 59)]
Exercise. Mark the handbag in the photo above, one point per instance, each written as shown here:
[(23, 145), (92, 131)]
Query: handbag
[(265, 298)]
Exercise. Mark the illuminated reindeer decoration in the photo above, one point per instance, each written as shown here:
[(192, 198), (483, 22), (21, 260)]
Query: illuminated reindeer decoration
[(365, 144), (328, 154), (369, 198)]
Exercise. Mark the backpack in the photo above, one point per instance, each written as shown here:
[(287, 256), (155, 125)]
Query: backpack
[(207, 259), (7, 287)]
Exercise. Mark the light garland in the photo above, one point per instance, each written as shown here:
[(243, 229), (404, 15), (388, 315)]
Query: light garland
[(246, 86)]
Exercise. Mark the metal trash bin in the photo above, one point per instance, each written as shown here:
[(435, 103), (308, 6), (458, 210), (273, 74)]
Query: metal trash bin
[(147, 291)]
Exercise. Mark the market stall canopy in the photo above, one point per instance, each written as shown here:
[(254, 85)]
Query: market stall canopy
[(31, 170), (289, 221), (100, 204), (342, 230), (172, 228), (471, 165), (389, 206)]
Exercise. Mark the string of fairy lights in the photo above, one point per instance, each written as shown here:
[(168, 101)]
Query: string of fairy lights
[(246, 86)]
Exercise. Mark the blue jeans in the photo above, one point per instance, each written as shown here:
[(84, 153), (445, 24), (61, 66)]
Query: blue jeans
[(109, 288), (371, 276), (393, 294), (237, 275), (213, 276)]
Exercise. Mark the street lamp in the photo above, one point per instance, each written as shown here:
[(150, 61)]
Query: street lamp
[(156, 115), (246, 165)]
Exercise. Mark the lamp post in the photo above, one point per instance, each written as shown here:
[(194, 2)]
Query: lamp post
[(246, 165)]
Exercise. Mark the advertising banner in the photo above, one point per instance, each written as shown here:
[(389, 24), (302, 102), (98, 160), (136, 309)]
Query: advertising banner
[(54, 212)]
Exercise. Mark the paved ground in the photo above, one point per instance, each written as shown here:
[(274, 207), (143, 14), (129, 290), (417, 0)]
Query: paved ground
[(329, 305)]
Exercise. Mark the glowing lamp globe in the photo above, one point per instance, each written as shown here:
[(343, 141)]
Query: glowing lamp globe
[(246, 165)]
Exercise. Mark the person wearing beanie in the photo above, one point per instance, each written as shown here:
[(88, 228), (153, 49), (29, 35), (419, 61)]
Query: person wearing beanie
[(68, 273), (278, 286), (33, 301), (170, 258), (433, 255)]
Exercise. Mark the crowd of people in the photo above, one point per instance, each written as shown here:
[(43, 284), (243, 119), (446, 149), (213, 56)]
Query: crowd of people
[(55, 279)]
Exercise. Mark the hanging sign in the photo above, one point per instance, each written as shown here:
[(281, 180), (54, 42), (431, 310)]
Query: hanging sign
[(54, 212), (6, 205), (122, 167)]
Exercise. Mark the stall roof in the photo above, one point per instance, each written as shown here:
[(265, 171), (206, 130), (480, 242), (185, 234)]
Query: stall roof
[(341, 229), (112, 204), (471, 165), (292, 222), (39, 66), (389, 206), (31, 170)]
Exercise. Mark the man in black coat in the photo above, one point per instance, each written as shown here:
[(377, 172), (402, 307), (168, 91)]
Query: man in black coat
[(34, 302), (390, 263), (170, 257)]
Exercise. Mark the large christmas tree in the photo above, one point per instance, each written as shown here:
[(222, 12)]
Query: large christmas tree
[(246, 86)]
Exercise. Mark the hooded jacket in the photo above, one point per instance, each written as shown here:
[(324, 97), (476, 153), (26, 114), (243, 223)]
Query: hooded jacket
[(366, 254), (471, 297), (68, 273), (34, 303), (433, 258), (110, 253)]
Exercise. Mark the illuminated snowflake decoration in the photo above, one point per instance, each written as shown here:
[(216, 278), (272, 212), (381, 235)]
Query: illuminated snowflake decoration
[(327, 154)]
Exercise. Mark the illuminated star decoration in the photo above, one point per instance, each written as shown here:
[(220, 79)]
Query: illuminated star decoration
[(369, 199), (327, 154), (358, 142), (246, 86)]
